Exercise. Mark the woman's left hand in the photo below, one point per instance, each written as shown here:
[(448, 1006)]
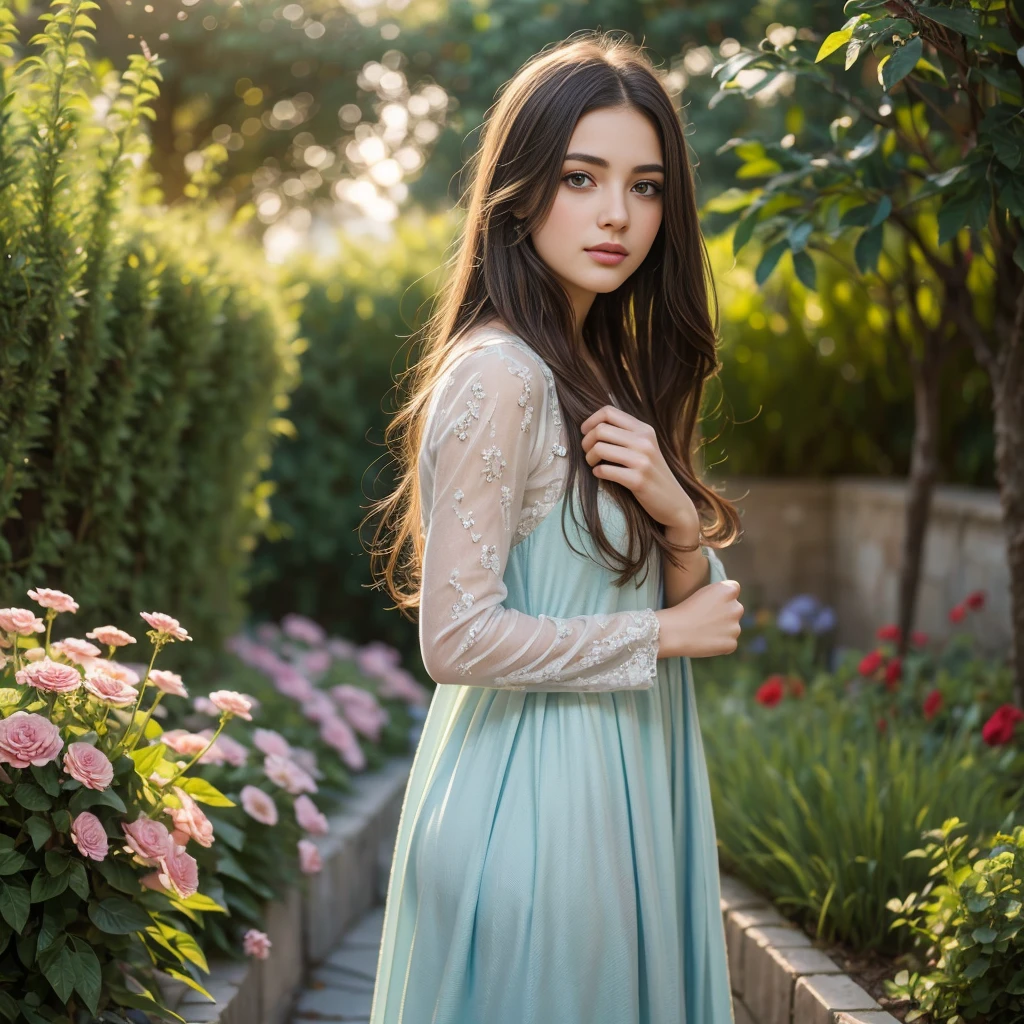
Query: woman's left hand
[(621, 448)]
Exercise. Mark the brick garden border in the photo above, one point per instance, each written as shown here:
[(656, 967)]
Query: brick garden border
[(777, 976)]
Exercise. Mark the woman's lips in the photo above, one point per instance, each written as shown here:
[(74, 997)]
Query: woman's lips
[(609, 259)]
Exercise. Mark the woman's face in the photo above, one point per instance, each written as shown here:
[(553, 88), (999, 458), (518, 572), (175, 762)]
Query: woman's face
[(610, 192)]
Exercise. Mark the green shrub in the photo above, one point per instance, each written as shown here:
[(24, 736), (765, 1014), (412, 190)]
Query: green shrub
[(968, 927), (144, 357), (355, 315), (817, 802)]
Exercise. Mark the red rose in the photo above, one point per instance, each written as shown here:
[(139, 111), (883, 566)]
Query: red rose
[(932, 705), (770, 692), (892, 633), (957, 613), (871, 663), (999, 728), (893, 674), (919, 638), (975, 600), (796, 686)]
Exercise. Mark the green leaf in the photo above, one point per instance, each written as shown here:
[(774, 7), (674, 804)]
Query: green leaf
[(78, 880), (197, 901), (147, 758), (39, 829), (768, 261), (8, 1006), (47, 778), (14, 903), (882, 211), (88, 979), (976, 969), (86, 798), (191, 982), (31, 797), (117, 916), (11, 862), (744, 231), (118, 873), (62, 821), (46, 886), (833, 41), (803, 265), (61, 974), (868, 249), (959, 19), (57, 861), (983, 935), (969, 207), (203, 792), (900, 63), (729, 201)]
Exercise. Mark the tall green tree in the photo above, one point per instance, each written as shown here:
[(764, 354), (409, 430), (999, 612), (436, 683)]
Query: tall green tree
[(918, 188)]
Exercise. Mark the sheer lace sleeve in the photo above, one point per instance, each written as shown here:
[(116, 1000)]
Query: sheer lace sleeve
[(487, 441)]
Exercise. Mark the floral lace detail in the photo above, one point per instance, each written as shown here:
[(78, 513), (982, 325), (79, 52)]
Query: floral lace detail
[(638, 671), (524, 375), (465, 600), (506, 507), (467, 520), (489, 558), (494, 463), (530, 518), (645, 628), (556, 449)]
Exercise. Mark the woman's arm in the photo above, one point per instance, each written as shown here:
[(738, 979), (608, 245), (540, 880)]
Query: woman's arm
[(696, 571), (494, 423)]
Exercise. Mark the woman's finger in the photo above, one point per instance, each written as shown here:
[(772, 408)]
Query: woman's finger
[(617, 474), (609, 414), (609, 432), (616, 453)]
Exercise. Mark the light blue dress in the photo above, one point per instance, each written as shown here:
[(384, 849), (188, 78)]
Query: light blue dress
[(555, 861)]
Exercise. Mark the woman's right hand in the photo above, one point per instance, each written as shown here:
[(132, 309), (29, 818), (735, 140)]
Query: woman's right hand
[(705, 624)]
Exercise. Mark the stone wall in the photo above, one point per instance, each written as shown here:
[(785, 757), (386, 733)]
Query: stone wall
[(841, 541)]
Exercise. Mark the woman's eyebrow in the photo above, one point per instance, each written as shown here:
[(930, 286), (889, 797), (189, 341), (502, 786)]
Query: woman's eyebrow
[(601, 162)]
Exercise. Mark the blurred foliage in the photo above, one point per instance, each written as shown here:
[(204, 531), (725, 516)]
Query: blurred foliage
[(812, 385), (144, 357), (303, 94), (313, 561)]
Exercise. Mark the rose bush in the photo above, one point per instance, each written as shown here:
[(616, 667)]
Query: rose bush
[(99, 884)]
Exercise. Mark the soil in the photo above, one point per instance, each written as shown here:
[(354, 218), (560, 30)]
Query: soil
[(871, 970)]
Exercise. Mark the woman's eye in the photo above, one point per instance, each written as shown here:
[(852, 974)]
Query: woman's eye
[(576, 174), (652, 188)]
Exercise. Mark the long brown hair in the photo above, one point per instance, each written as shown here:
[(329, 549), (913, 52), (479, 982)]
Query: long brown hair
[(654, 336)]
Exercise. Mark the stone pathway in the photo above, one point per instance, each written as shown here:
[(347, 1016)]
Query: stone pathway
[(341, 988)]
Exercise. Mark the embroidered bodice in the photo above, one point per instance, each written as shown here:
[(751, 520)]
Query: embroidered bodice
[(492, 466)]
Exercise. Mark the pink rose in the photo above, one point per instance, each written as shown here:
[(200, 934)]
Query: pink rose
[(228, 750), (232, 703), (341, 649), (309, 817), (148, 839), (376, 659), (116, 671), (288, 775), (165, 625), (20, 621), (51, 676), (88, 834), (267, 741), (205, 706), (256, 943), (316, 663), (188, 744), (189, 819), (335, 732), (179, 871), (291, 683), (306, 760), (168, 682), (28, 739), (318, 707), (90, 766), (34, 654), (78, 651), (259, 805), (108, 690), (298, 627), (111, 636), (309, 857), (55, 599)]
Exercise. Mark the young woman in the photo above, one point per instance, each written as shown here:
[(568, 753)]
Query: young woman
[(556, 860)]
